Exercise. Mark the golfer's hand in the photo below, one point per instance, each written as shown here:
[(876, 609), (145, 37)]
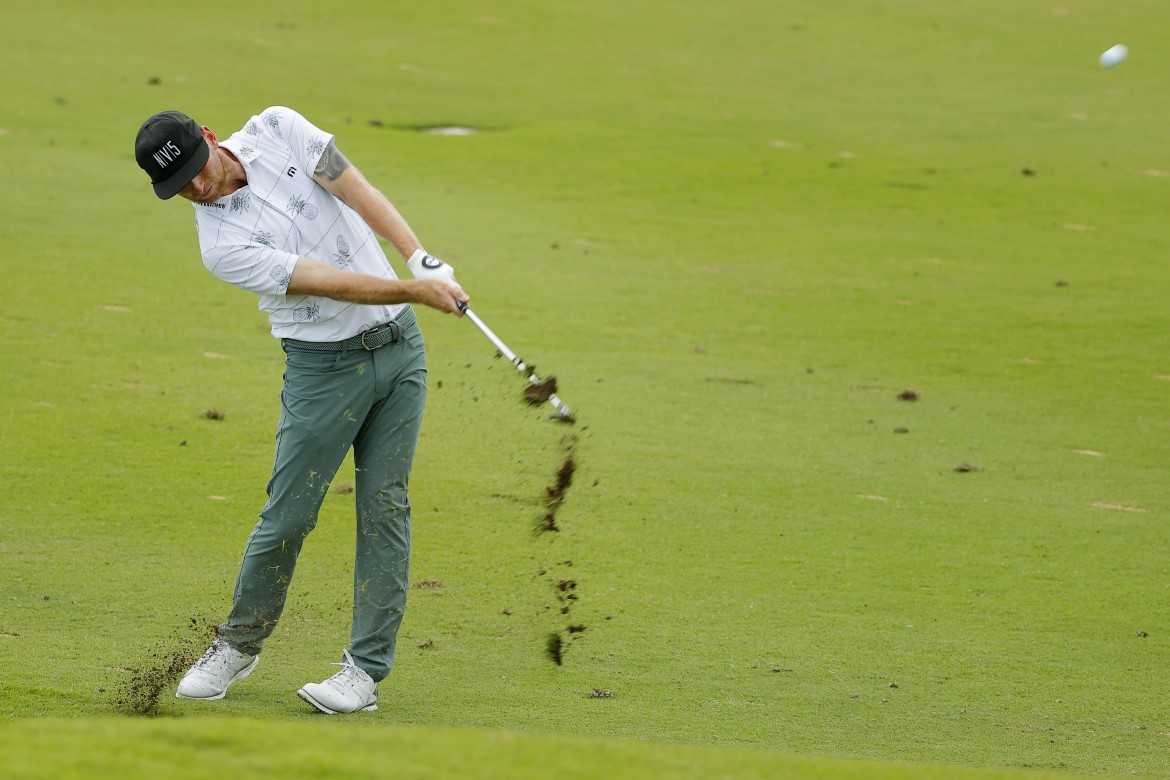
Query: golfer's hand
[(442, 295), (424, 266)]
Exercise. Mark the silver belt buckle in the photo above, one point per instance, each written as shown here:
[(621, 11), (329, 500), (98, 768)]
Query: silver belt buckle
[(390, 326)]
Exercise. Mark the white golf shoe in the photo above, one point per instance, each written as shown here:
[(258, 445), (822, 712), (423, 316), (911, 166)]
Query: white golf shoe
[(211, 675), (350, 690)]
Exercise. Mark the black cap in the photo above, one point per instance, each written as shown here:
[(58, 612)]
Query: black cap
[(171, 149)]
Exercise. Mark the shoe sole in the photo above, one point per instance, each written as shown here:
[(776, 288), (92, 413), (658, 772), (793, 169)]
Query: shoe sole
[(307, 697), (247, 670)]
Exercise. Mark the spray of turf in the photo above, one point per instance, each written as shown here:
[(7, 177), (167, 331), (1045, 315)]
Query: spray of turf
[(140, 694), (564, 588)]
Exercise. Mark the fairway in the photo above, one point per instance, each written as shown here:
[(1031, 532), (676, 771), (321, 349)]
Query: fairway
[(861, 311)]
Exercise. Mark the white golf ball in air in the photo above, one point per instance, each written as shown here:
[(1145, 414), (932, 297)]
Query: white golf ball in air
[(1114, 56)]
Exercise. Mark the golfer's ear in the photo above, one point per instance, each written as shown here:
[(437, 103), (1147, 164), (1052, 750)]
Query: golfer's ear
[(212, 141)]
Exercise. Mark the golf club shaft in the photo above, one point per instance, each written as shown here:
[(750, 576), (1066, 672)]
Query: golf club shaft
[(559, 405)]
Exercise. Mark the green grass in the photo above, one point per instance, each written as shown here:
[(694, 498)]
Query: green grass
[(735, 232), (200, 747)]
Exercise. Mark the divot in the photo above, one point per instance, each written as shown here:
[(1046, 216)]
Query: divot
[(450, 130)]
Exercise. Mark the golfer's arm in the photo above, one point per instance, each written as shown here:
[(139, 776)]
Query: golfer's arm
[(312, 277), (335, 173)]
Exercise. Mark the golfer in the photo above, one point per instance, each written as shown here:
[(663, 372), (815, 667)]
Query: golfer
[(281, 213)]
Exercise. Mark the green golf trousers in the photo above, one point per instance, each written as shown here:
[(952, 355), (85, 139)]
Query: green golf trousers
[(373, 402)]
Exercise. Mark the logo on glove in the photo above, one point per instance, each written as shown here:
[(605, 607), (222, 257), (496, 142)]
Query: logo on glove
[(431, 262)]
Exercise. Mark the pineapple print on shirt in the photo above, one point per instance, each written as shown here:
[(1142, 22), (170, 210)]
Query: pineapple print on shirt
[(342, 255)]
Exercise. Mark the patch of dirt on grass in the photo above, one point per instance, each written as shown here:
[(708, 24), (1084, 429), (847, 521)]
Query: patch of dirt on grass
[(909, 395), (140, 694), (966, 468)]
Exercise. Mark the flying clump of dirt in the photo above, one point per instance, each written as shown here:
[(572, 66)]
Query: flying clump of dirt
[(140, 694), (565, 594), (538, 393), (554, 494), (555, 647)]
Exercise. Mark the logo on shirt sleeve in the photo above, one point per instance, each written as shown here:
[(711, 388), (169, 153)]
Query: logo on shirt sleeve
[(273, 123)]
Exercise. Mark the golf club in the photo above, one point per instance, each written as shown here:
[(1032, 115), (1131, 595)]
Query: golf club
[(562, 411)]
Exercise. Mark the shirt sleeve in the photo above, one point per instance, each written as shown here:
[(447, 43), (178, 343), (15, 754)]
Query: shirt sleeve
[(306, 141), (256, 268)]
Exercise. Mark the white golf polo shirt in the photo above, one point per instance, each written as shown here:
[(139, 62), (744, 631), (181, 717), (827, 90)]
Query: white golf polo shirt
[(253, 237)]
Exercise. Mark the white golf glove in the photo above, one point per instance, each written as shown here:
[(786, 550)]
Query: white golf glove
[(424, 266)]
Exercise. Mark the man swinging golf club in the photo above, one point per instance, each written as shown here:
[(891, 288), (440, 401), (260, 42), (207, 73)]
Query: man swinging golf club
[(280, 212)]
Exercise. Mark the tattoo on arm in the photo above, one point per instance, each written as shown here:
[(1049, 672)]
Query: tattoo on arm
[(332, 163)]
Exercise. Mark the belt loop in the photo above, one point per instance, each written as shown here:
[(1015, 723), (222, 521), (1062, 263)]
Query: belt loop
[(395, 332)]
